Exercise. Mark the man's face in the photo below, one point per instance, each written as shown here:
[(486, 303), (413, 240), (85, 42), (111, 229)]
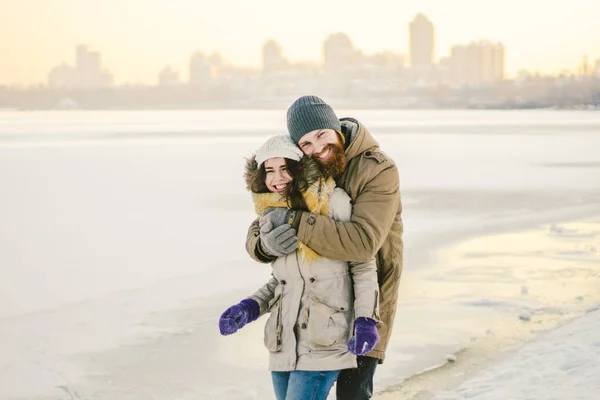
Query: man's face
[(325, 147)]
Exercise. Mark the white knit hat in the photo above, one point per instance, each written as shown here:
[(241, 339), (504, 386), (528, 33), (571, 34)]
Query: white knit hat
[(278, 146)]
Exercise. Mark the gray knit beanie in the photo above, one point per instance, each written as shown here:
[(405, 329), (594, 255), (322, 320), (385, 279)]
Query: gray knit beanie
[(309, 113)]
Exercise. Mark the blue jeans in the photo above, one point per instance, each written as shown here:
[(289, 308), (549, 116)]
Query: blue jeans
[(303, 385)]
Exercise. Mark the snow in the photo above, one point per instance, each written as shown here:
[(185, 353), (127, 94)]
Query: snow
[(562, 364)]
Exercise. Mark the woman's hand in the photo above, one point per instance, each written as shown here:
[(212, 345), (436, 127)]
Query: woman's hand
[(235, 317), (279, 241), (278, 216), (365, 336)]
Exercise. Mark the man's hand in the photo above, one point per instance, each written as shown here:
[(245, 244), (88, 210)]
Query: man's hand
[(278, 241)]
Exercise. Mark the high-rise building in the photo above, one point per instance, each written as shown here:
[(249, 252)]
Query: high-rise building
[(477, 62), (272, 57), (421, 42), (88, 72), (498, 69), (86, 61)]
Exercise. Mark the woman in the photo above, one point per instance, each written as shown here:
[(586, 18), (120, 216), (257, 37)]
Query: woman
[(313, 302)]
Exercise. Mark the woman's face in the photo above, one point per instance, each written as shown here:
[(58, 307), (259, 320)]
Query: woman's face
[(277, 176)]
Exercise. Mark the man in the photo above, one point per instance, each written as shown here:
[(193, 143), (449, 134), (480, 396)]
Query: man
[(345, 150)]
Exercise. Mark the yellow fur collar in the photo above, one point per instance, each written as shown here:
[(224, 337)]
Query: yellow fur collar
[(316, 197)]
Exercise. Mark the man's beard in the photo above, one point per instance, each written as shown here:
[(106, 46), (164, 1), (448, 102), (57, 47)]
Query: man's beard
[(335, 164)]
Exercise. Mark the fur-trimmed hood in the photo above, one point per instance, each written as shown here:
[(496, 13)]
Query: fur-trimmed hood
[(310, 171), (358, 138)]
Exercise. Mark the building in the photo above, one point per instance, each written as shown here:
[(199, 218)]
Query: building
[(200, 70), (62, 76), (88, 69), (272, 58), (87, 73), (584, 68), (479, 62), (168, 77), (421, 33), (339, 54)]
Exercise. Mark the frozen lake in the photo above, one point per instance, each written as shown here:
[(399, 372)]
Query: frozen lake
[(128, 227)]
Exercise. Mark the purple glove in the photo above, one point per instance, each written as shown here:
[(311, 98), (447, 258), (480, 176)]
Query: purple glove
[(365, 336), (235, 317)]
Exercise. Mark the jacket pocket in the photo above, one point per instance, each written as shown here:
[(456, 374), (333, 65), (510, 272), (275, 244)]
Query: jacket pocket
[(326, 325), (273, 327)]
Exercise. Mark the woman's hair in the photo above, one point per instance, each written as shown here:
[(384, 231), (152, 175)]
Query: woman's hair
[(293, 194)]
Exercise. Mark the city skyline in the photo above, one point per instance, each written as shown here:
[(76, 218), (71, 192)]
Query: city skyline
[(477, 62), (136, 43)]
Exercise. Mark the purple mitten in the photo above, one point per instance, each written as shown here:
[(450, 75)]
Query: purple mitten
[(235, 317), (365, 336)]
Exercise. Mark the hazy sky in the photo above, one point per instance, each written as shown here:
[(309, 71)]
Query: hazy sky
[(137, 38)]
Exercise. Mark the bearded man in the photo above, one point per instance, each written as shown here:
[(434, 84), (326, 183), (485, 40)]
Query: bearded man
[(346, 151)]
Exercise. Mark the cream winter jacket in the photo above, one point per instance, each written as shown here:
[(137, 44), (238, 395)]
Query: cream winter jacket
[(312, 305)]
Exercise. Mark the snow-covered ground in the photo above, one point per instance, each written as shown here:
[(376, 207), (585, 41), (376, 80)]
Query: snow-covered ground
[(562, 364), (524, 284), (121, 242)]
